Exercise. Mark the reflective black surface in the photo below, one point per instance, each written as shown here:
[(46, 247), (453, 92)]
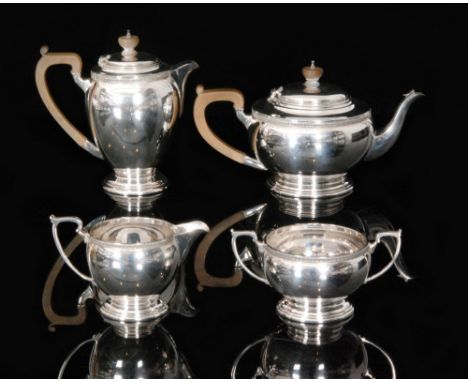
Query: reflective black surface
[(375, 53)]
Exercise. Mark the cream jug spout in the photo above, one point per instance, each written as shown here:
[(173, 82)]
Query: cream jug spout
[(384, 140), (180, 74), (187, 233)]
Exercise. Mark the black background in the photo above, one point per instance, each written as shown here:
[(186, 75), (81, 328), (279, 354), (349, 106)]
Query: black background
[(376, 53)]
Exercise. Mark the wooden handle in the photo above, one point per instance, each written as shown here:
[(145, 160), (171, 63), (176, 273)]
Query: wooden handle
[(204, 98), (203, 277), (66, 58), (54, 318)]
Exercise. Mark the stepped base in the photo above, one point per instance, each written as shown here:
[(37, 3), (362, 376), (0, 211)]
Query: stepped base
[(135, 185), (133, 316), (302, 312), (310, 186)]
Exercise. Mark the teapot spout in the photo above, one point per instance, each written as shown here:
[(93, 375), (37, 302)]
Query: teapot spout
[(187, 233), (180, 74), (383, 141)]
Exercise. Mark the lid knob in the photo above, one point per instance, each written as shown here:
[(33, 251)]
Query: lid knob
[(129, 42), (312, 74)]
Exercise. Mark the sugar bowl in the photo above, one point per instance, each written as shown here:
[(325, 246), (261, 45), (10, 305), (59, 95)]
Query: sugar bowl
[(314, 266)]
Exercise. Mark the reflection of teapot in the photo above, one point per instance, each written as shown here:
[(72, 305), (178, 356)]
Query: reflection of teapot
[(114, 357), (133, 100), (308, 134), (327, 352)]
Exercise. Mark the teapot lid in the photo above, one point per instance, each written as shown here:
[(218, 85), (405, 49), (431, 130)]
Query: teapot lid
[(310, 100), (128, 61)]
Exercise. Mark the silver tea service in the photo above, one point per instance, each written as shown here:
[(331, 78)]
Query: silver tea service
[(133, 100), (314, 266), (307, 134), (132, 261)]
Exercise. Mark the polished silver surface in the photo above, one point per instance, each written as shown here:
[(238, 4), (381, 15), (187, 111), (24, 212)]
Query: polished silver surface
[(132, 261), (133, 185), (133, 100), (307, 130), (306, 188), (314, 266), (113, 357), (333, 352)]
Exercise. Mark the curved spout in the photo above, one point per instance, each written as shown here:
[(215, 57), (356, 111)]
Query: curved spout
[(187, 233), (180, 74), (382, 142)]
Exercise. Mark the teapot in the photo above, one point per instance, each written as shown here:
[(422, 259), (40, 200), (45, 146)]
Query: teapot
[(133, 100), (309, 134)]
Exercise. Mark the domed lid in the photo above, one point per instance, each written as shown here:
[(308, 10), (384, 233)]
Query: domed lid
[(309, 100), (128, 61), (131, 231)]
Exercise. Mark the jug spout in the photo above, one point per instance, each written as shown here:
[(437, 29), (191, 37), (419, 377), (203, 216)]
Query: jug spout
[(180, 74), (187, 233), (384, 140)]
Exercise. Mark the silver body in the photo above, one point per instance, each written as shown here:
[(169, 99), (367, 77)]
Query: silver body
[(131, 116), (314, 266), (317, 147), (132, 261)]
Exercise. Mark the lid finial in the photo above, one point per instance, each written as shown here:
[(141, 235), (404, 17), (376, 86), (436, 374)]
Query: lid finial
[(312, 74), (129, 42)]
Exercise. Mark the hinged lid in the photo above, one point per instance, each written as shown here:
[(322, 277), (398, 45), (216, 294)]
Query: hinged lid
[(128, 61), (310, 99)]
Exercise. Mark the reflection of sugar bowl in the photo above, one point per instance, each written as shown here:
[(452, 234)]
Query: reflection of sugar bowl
[(325, 354), (133, 100), (132, 260), (315, 266)]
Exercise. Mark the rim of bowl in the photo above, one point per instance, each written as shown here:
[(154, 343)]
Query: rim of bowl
[(147, 221), (323, 227)]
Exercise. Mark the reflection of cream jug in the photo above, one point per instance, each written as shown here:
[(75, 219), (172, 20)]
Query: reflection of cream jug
[(114, 357)]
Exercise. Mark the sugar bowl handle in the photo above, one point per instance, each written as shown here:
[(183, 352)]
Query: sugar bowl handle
[(68, 219), (396, 254), (240, 261), (74, 60), (385, 354), (204, 98)]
